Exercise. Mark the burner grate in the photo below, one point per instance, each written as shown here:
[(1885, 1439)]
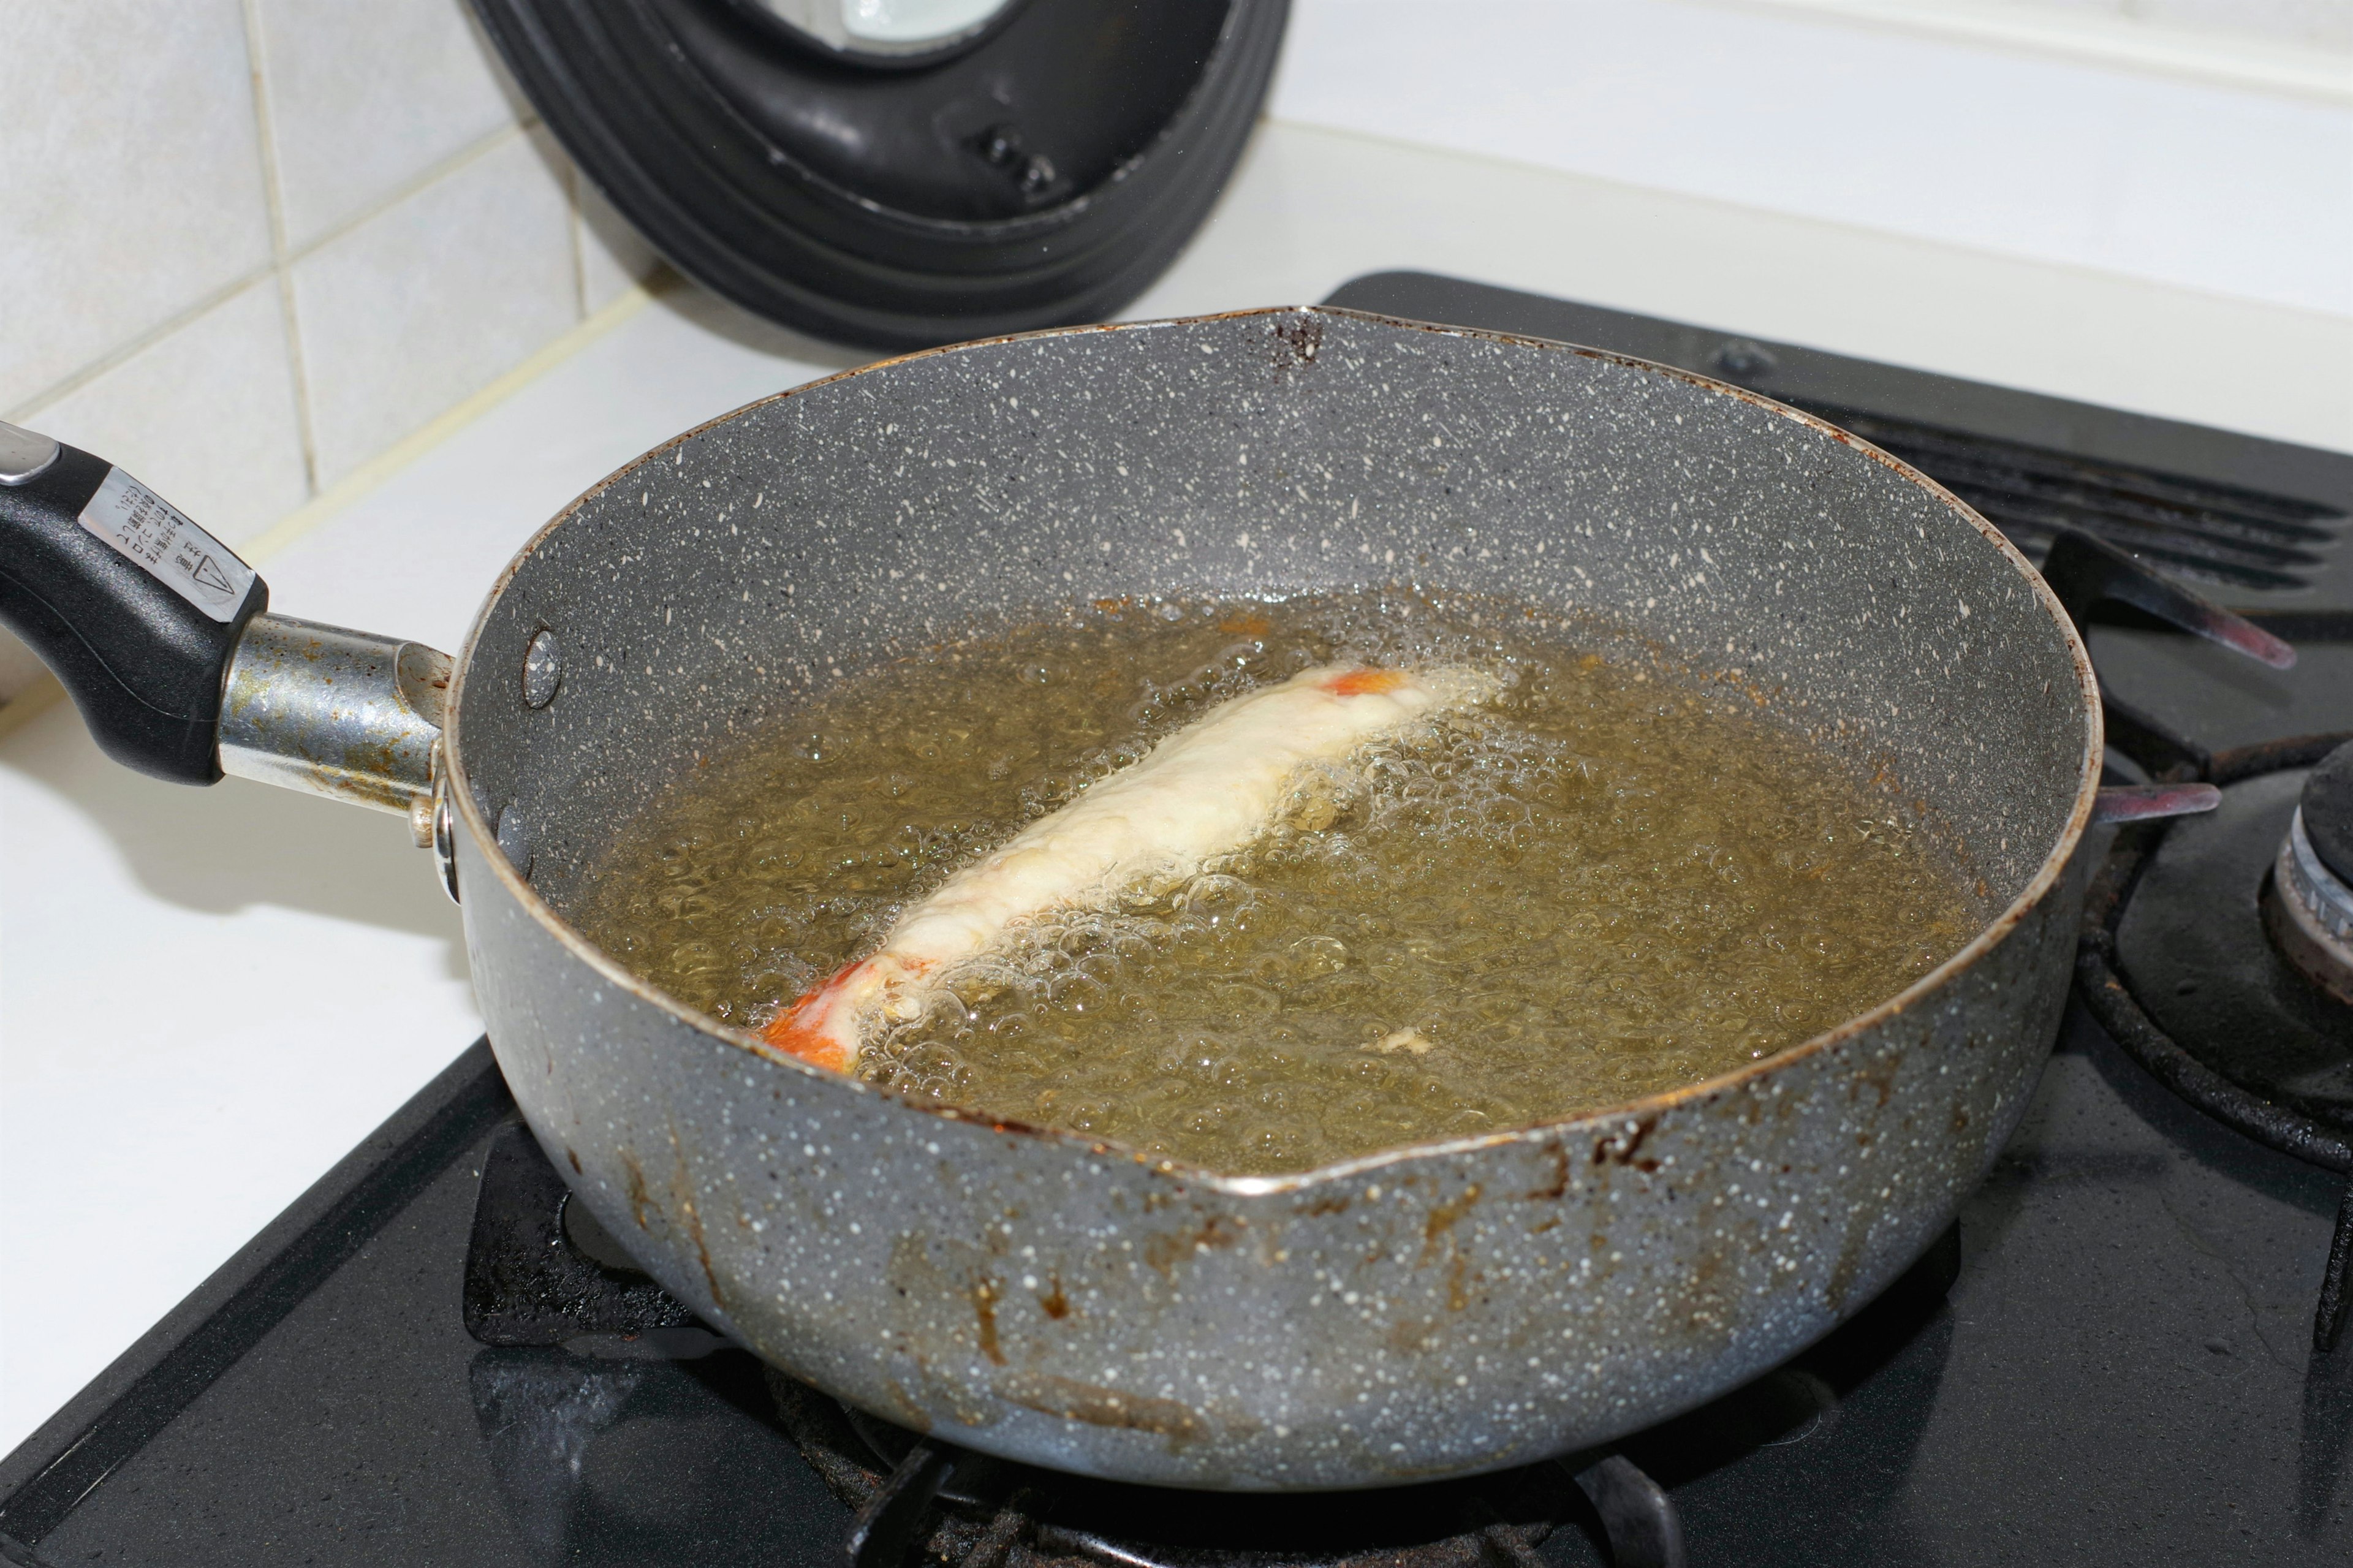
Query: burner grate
[(2219, 534), (921, 1503)]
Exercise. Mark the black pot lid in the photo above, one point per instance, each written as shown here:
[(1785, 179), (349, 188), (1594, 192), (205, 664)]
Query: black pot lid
[(902, 173)]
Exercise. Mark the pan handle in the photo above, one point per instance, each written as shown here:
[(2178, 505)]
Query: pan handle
[(136, 609), (162, 636)]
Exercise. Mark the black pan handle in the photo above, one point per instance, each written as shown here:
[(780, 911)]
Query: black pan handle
[(136, 609)]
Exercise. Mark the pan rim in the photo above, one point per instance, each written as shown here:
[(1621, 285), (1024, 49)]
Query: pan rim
[(1989, 936)]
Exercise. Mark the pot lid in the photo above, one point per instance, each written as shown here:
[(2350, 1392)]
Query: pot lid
[(902, 173)]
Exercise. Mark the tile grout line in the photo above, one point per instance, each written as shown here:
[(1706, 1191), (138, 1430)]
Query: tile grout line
[(415, 185), (579, 242), (260, 547), (114, 358), (297, 366)]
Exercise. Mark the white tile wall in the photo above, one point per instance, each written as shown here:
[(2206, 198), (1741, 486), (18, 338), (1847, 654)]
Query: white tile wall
[(614, 258), (130, 178), (251, 244), (206, 414), (364, 100), (431, 298)]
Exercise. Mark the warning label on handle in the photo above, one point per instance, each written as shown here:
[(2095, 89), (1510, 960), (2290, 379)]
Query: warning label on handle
[(174, 551)]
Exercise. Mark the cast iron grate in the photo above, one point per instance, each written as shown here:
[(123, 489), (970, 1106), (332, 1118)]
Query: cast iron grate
[(2217, 533), (920, 1502)]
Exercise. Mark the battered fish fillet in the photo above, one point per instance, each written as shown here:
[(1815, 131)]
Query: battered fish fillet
[(1205, 792)]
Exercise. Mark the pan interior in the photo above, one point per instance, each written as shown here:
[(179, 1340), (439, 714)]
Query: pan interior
[(702, 596), (1589, 883)]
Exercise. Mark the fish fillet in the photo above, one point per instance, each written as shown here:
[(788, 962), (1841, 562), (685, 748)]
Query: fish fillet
[(1204, 791)]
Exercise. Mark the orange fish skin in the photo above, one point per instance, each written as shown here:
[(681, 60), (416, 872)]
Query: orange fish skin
[(799, 1030), (1367, 682)]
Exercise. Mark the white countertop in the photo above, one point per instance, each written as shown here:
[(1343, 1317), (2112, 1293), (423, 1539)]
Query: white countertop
[(207, 997)]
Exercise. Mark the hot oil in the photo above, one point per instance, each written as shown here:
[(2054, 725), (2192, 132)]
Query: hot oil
[(1600, 885)]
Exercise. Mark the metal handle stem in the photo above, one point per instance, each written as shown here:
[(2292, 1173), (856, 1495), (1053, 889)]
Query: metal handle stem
[(339, 713)]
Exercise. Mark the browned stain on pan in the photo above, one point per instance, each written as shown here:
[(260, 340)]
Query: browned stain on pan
[(1557, 1187), (1625, 1148), (701, 1252), (1411, 1336), (1296, 343), (1163, 1252), (1853, 1246), (1458, 1288), (638, 1203), (905, 1408), (681, 1195), (1051, 1395), (985, 1293), (1441, 1221), (1880, 1077)]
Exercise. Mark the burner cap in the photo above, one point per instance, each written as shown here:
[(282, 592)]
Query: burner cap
[(2309, 911), (2328, 811)]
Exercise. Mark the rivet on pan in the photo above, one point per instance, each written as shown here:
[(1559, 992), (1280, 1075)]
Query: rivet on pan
[(514, 839), (543, 669)]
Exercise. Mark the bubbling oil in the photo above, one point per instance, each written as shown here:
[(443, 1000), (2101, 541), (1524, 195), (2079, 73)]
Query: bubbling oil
[(1602, 884)]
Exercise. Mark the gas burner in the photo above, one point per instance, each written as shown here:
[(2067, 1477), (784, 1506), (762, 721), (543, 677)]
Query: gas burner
[(2200, 942), (2202, 956), (2226, 982), (2308, 909)]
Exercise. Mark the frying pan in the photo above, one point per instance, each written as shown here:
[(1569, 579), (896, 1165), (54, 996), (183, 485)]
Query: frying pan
[(1428, 1311)]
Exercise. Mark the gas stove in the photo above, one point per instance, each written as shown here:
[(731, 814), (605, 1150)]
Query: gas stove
[(430, 1358)]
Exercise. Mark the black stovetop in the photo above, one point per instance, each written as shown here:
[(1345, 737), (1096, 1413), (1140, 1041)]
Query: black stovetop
[(2121, 1372)]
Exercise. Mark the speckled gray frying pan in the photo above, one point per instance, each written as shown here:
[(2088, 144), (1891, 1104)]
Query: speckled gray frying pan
[(1442, 1309)]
